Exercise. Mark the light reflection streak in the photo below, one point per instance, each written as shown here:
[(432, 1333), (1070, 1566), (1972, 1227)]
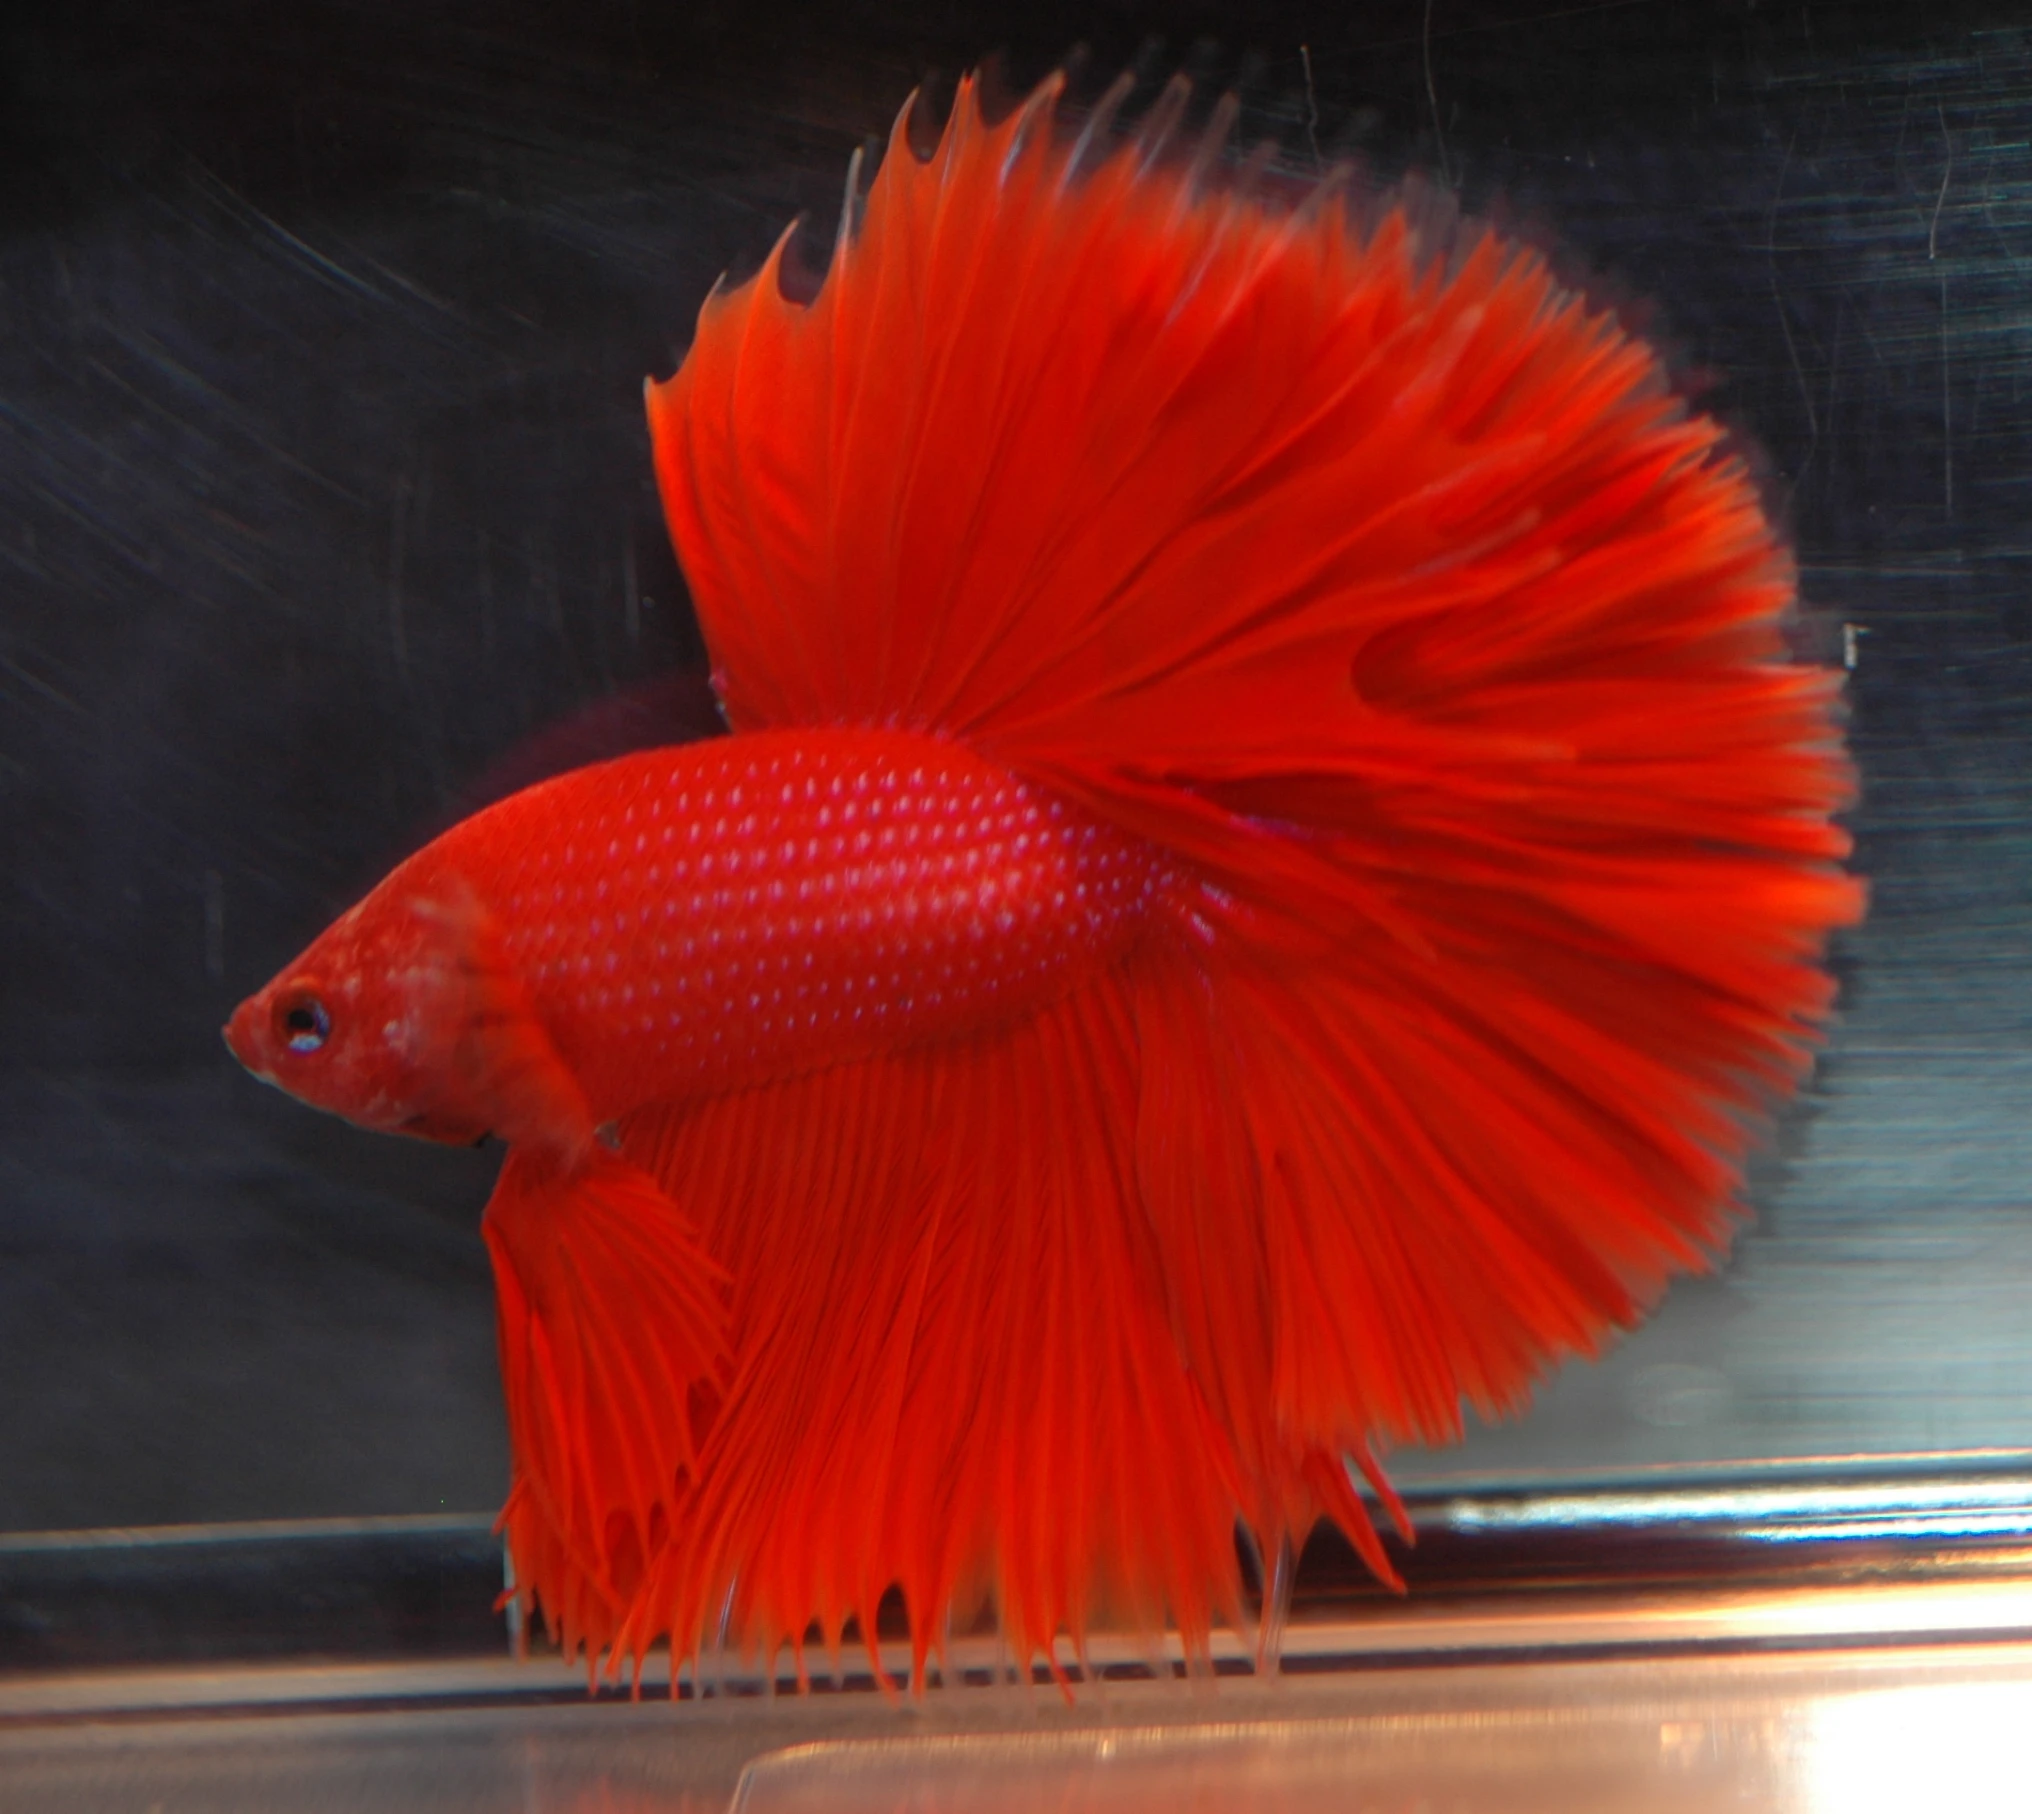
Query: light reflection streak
[(1780, 1513)]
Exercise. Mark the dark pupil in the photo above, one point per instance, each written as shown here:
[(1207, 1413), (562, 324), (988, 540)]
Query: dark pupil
[(307, 1025)]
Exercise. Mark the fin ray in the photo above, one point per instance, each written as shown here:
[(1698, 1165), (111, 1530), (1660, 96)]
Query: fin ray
[(956, 1373), (610, 1316), (1397, 601)]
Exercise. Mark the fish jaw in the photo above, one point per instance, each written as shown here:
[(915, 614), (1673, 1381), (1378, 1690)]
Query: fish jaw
[(243, 1036)]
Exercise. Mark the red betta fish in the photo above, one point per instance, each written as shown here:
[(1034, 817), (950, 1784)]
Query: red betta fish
[(1271, 859)]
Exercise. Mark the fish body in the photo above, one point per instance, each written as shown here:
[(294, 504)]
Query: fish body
[(704, 918), (1272, 862)]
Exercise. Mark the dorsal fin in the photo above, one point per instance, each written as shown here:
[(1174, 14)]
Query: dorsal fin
[(1208, 510)]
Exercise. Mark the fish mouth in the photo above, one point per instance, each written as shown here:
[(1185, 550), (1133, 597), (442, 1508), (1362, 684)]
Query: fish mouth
[(239, 1035)]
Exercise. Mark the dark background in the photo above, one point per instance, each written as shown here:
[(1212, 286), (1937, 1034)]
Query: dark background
[(324, 489)]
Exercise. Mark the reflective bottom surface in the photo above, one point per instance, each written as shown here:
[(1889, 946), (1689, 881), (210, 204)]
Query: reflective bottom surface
[(1853, 1730)]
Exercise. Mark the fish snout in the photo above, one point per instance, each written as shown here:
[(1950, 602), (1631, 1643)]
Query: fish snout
[(242, 1035)]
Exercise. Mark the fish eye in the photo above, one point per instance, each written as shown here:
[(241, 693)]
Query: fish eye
[(302, 1022)]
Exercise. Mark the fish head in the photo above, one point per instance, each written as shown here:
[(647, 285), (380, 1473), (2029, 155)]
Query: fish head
[(370, 1021)]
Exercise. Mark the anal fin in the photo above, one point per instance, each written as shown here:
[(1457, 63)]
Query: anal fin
[(954, 1373)]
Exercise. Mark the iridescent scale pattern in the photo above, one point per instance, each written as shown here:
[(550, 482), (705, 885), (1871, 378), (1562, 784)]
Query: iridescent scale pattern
[(716, 914)]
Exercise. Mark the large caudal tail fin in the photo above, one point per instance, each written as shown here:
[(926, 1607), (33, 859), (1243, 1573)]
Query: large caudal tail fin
[(1397, 598)]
